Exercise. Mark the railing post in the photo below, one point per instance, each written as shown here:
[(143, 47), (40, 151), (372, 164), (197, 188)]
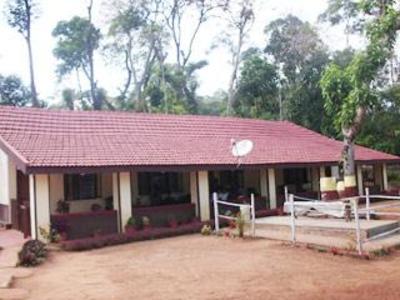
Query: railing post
[(367, 203), (358, 229), (253, 216), (292, 217), (216, 218)]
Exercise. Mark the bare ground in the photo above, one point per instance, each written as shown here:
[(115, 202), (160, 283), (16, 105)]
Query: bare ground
[(197, 267)]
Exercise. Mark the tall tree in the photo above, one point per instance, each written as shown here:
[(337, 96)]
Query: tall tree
[(20, 15), (257, 87), (240, 18), (350, 91), (177, 12), (77, 40), (13, 92), (136, 40), (301, 56)]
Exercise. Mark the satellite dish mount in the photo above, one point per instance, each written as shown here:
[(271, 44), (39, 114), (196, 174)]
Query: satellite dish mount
[(241, 149)]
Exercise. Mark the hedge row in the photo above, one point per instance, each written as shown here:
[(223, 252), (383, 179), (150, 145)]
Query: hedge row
[(123, 238)]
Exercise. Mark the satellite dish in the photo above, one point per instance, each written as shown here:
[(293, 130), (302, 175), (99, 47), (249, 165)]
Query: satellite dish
[(241, 148)]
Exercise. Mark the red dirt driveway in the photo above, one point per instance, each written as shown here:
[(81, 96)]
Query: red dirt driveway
[(197, 267)]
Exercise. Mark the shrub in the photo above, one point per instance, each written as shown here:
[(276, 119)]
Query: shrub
[(206, 230), (33, 253), (122, 238)]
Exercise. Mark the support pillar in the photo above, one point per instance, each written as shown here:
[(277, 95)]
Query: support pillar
[(194, 192), (264, 185), (385, 178), (315, 179), (322, 172), (39, 194), (122, 196), (360, 180), (272, 188), (204, 195)]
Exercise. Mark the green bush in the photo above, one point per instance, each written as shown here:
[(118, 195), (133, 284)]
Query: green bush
[(33, 253)]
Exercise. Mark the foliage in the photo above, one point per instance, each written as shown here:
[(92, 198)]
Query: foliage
[(257, 90), (206, 229), (72, 41), (33, 253), (13, 91), (62, 206), (131, 221), (350, 91), (121, 238), (20, 14), (146, 221), (301, 56), (50, 234)]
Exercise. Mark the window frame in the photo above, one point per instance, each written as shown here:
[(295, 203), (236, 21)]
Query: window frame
[(75, 181)]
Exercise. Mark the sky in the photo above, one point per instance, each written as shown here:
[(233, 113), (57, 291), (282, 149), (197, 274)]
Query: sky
[(215, 76)]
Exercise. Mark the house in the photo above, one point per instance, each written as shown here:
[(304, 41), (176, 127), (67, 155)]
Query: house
[(94, 170)]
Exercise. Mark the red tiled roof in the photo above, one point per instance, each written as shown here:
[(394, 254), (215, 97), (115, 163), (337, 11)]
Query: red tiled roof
[(39, 138)]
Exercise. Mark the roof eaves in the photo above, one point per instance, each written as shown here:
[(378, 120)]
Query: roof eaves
[(20, 161)]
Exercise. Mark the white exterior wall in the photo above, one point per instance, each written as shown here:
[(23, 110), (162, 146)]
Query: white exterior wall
[(204, 196), (8, 183)]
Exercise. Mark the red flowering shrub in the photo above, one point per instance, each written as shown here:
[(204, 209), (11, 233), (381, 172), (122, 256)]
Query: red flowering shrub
[(122, 238)]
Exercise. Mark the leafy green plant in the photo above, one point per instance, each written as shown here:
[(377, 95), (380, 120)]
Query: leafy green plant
[(131, 222), (146, 222), (33, 253), (51, 235), (206, 230)]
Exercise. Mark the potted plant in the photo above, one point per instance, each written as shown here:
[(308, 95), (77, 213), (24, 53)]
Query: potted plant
[(172, 222), (62, 207), (130, 226), (146, 223)]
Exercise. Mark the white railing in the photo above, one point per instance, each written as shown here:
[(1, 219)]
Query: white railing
[(338, 208), (368, 210), (250, 207)]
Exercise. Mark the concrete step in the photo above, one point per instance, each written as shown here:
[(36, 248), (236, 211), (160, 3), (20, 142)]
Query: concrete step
[(334, 231)]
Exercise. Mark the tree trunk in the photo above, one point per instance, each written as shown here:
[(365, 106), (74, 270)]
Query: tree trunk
[(35, 102), (348, 157), (97, 101)]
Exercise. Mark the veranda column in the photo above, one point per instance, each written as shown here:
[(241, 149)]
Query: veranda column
[(122, 197), (39, 194), (385, 178), (193, 191), (360, 181), (272, 188), (321, 172), (204, 195), (264, 185), (315, 179)]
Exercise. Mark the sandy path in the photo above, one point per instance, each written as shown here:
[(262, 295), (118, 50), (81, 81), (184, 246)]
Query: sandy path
[(196, 267)]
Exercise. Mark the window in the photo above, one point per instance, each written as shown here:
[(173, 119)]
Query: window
[(81, 187), (160, 183)]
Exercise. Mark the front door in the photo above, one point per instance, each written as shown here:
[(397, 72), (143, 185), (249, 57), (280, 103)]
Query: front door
[(23, 211)]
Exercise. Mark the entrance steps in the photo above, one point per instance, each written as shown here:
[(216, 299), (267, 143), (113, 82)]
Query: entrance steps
[(279, 227)]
